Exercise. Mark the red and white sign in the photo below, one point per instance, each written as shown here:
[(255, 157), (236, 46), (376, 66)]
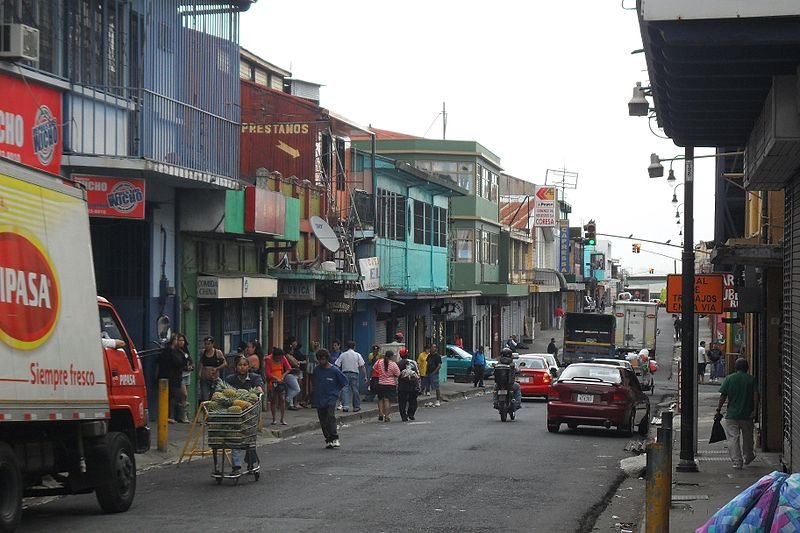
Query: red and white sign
[(29, 293), (544, 207), (30, 123), (113, 197), (264, 211), (730, 297)]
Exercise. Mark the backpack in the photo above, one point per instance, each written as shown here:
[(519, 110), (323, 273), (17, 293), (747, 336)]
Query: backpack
[(407, 372)]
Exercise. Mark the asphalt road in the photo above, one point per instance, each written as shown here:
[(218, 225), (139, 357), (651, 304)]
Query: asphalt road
[(457, 468)]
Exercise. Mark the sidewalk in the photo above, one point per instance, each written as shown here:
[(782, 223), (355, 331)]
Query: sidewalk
[(300, 421), (696, 496)]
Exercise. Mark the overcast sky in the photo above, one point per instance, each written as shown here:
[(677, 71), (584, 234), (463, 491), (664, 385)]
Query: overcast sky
[(544, 85)]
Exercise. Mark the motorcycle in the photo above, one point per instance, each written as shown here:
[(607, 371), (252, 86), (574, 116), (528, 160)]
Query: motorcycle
[(505, 392)]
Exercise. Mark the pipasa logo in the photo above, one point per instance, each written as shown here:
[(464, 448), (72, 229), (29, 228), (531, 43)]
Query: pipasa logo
[(29, 290), (124, 197), (45, 135)]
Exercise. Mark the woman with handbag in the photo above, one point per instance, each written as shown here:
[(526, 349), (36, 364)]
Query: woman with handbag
[(211, 364)]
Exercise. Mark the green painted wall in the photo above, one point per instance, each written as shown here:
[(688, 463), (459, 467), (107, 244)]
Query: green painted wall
[(234, 212), (473, 206), (292, 228)]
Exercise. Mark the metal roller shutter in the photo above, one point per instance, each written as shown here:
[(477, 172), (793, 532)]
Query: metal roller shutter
[(791, 326)]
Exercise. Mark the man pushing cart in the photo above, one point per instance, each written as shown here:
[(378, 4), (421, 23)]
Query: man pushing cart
[(232, 423)]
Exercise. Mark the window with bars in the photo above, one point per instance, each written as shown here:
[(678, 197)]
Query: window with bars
[(440, 226), (44, 16), (390, 216)]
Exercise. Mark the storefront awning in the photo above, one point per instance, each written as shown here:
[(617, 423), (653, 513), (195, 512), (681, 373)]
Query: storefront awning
[(547, 280), (748, 254)]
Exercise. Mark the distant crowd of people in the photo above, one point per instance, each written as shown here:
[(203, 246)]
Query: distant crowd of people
[(291, 379)]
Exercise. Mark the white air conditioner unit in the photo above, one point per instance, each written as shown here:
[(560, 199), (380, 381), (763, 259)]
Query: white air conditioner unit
[(18, 41)]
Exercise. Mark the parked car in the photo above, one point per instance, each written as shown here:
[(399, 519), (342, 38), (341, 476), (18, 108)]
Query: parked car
[(533, 375), (459, 363), (593, 394), (613, 362)]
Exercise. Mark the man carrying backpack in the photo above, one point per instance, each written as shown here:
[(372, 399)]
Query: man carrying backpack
[(408, 386)]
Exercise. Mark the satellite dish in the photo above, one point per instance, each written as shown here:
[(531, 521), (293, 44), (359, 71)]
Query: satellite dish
[(327, 237)]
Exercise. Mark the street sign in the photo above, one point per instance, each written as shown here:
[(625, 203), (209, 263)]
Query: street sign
[(708, 293), (544, 207), (731, 296)]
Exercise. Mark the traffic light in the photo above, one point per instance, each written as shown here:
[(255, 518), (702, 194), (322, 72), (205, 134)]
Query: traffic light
[(651, 270), (636, 247), (590, 235)]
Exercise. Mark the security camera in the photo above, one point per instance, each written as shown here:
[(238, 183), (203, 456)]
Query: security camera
[(655, 169), (638, 106)]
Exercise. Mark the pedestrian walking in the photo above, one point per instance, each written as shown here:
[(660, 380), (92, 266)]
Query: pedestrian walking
[(408, 386), (677, 323), (478, 367), (552, 349), (374, 355), (559, 314), (328, 383), (352, 366), (702, 361), (292, 379), (388, 372), (434, 365), (422, 365), (716, 359), (739, 390), (186, 377), (336, 350), (276, 367)]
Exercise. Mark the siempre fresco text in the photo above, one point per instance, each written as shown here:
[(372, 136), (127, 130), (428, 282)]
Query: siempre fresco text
[(61, 377)]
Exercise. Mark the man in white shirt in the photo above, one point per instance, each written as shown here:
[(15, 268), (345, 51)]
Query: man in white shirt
[(701, 362), (352, 366)]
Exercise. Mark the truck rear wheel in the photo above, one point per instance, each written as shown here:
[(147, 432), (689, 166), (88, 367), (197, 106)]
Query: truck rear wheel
[(116, 466), (10, 489)]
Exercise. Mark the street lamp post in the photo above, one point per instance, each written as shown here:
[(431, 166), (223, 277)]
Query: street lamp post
[(688, 366)]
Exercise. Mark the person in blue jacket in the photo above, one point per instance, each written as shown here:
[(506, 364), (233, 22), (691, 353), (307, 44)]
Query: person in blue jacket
[(328, 383)]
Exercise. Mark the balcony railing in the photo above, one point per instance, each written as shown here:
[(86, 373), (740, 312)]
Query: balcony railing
[(138, 123)]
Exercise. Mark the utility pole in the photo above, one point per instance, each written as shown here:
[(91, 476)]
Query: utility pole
[(444, 122)]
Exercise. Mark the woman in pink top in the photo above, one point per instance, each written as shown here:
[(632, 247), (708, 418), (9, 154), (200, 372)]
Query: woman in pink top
[(388, 372)]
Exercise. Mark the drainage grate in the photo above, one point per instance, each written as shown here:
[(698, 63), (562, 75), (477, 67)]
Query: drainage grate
[(688, 497), (713, 459), (712, 452)]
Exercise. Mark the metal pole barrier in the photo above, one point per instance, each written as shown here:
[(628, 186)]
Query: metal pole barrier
[(163, 413), (658, 488)]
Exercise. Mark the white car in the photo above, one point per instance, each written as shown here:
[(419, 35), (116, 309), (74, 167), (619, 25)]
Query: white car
[(551, 361)]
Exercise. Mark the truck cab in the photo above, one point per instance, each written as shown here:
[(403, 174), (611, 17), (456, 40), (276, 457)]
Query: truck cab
[(127, 394)]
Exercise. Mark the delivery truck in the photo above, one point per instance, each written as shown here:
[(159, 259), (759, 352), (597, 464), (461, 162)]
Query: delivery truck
[(72, 411), (588, 336), (636, 327)]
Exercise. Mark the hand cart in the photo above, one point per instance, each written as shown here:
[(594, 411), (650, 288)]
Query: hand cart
[(234, 432)]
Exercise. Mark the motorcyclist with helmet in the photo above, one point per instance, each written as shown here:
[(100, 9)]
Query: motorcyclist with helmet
[(506, 361)]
